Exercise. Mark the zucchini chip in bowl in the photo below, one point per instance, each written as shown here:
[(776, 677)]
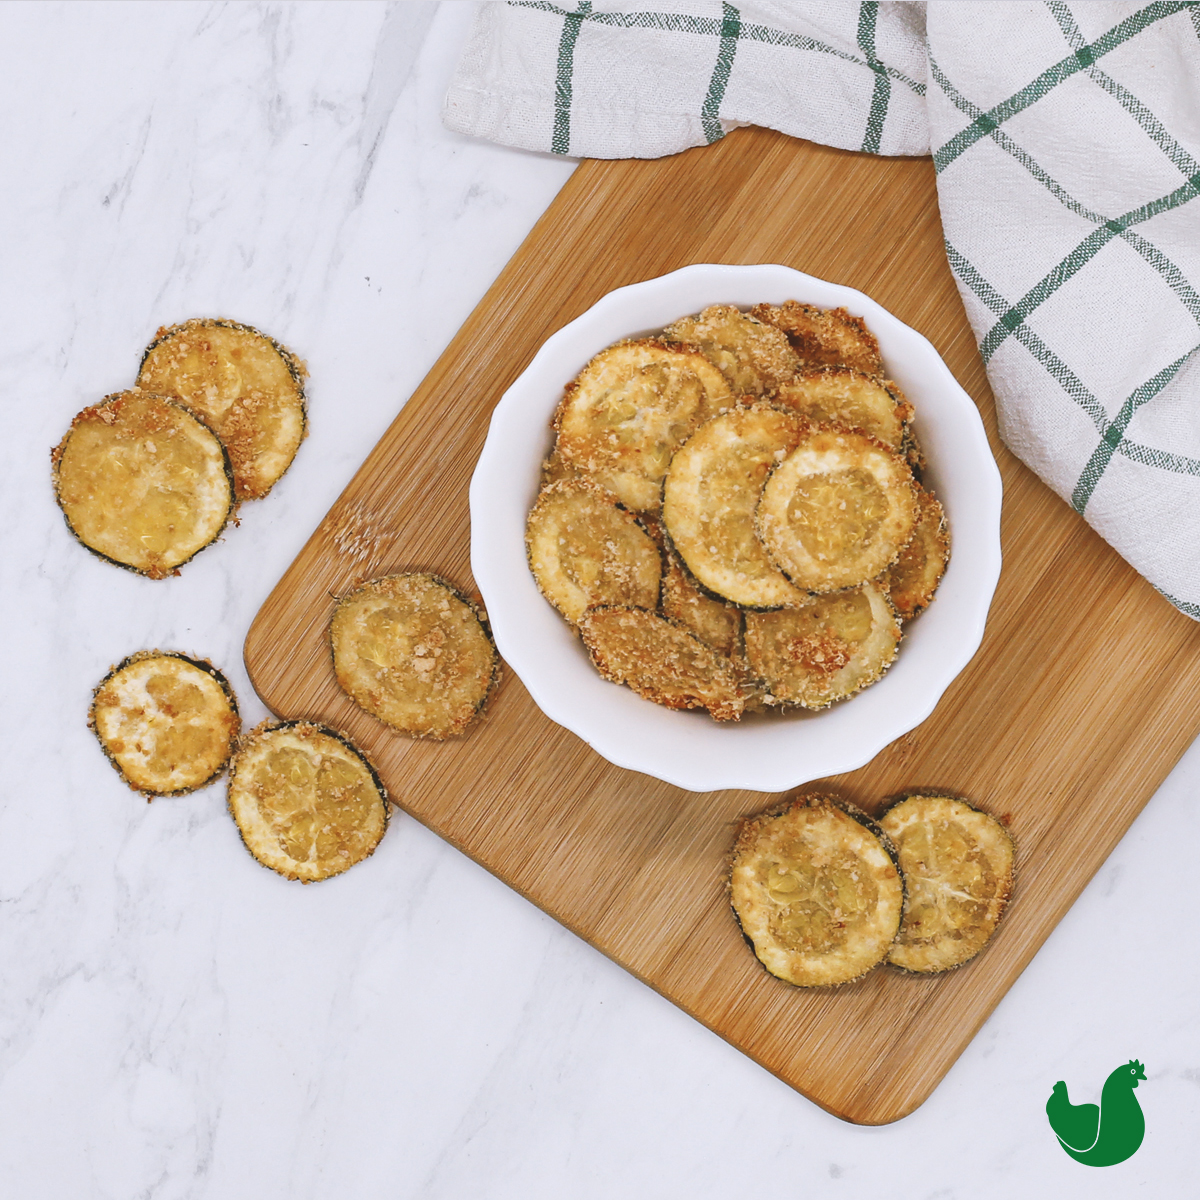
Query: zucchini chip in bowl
[(754, 357), (585, 548), (306, 801), (709, 499), (628, 410), (958, 866), (837, 510), (142, 482), (816, 890), (661, 661), (415, 652), (247, 387), (825, 650), (914, 577), (841, 396), (824, 337), (167, 722)]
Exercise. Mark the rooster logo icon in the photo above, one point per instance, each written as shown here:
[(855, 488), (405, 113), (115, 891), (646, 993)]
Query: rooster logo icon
[(1105, 1135)]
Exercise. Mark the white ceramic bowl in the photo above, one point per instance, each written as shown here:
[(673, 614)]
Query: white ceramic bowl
[(771, 752)]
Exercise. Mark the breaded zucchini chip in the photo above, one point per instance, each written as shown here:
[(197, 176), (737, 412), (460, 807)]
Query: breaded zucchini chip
[(816, 891), (556, 468), (414, 652), (754, 357), (142, 482), (837, 510), (586, 549), (914, 577), (958, 866), (661, 661), (842, 396), (825, 650), (167, 722), (709, 499), (248, 388), (715, 622), (627, 412), (306, 801), (824, 337)]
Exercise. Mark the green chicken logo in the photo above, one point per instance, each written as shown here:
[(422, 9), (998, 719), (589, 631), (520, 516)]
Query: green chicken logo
[(1104, 1135)]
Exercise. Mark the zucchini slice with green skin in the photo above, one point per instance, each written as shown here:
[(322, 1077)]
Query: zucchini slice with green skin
[(849, 398), (416, 653), (628, 410), (825, 650), (306, 801), (142, 482), (717, 623), (709, 499), (754, 357), (914, 577), (585, 548), (247, 387), (662, 661), (958, 867), (816, 890), (168, 723), (824, 336), (837, 510)]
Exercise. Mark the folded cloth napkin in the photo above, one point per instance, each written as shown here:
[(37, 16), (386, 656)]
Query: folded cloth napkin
[(1066, 138)]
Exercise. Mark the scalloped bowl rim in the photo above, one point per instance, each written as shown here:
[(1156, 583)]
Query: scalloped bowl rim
[(768, 753)]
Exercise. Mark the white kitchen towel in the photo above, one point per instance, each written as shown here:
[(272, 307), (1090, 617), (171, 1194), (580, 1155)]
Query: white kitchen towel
[(1066, 139)]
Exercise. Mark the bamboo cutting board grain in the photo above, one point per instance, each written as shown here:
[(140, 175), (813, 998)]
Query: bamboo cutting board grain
[(1071, 714)]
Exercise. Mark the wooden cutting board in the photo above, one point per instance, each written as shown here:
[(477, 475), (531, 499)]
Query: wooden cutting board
[(1076, 707)]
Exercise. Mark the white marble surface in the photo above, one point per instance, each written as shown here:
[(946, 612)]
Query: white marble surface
[(176, 1021)]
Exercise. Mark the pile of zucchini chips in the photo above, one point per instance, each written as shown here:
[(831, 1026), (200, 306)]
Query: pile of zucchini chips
[(307, 803), (823, 893), (732, 516), (149, 477)]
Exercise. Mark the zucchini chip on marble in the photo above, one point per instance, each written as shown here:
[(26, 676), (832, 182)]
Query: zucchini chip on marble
[(824, 336), (825, 650), (914, 577), (816, 891), (142, 482), (837, 510), (167, 722), (753, 356), (958, 867), (247, 387), (306, 801), (586, 549), (709, 500), (414, 652), (842, 396), (661, 661), (628, 410)]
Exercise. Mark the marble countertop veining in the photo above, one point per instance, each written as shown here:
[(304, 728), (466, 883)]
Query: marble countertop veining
[(176, 1021)]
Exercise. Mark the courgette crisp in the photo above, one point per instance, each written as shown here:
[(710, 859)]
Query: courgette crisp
[(307, 803), (817, 891), (749, 482), (168, 723), (823, 893), (143, 483), (243, 384), (414, 652), (958, 862)]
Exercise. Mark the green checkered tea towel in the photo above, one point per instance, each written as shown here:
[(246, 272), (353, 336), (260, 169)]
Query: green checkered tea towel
[(1066, 139)]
